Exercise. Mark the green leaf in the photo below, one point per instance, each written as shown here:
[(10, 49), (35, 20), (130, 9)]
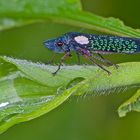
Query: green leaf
[(23, 96), (7, 23), (63, 11), (103, 84), (104, 25), (133, 104), (29, 90), (34, 8), (20, 13)]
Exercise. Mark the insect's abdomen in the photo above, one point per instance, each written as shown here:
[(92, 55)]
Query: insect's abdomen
[(114, 44)]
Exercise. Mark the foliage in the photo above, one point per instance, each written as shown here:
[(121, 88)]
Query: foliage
[(28, 90)]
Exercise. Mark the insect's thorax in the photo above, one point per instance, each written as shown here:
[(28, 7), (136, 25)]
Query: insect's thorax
[(112, 44)]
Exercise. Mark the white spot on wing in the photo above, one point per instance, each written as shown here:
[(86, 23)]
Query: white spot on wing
[(81, 40)]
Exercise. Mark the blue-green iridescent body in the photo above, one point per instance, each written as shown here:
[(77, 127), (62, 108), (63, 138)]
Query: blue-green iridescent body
[(113, 44), (87, 45), (94, 43)]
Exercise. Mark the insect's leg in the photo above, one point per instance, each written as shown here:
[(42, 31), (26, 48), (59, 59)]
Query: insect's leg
[(87, 54), (67, 54), (107, 61), (100, 59), (78, 58), (100, 66)]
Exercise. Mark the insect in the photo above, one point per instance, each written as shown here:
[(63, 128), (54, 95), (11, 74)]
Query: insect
[(92, 46)]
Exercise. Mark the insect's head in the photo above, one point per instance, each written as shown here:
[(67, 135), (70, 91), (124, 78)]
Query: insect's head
[(67, 42), (58, 45)]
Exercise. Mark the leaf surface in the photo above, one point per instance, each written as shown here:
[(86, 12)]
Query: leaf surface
[(29, 90), (65, 11)]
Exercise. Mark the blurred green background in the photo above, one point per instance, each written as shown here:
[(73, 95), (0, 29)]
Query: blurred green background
[(80, 118)]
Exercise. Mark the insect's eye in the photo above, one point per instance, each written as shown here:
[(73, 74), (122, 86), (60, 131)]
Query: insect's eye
[(59, 43)]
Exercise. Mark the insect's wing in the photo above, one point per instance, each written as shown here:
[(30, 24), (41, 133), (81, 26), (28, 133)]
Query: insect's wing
[(114, 44)]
